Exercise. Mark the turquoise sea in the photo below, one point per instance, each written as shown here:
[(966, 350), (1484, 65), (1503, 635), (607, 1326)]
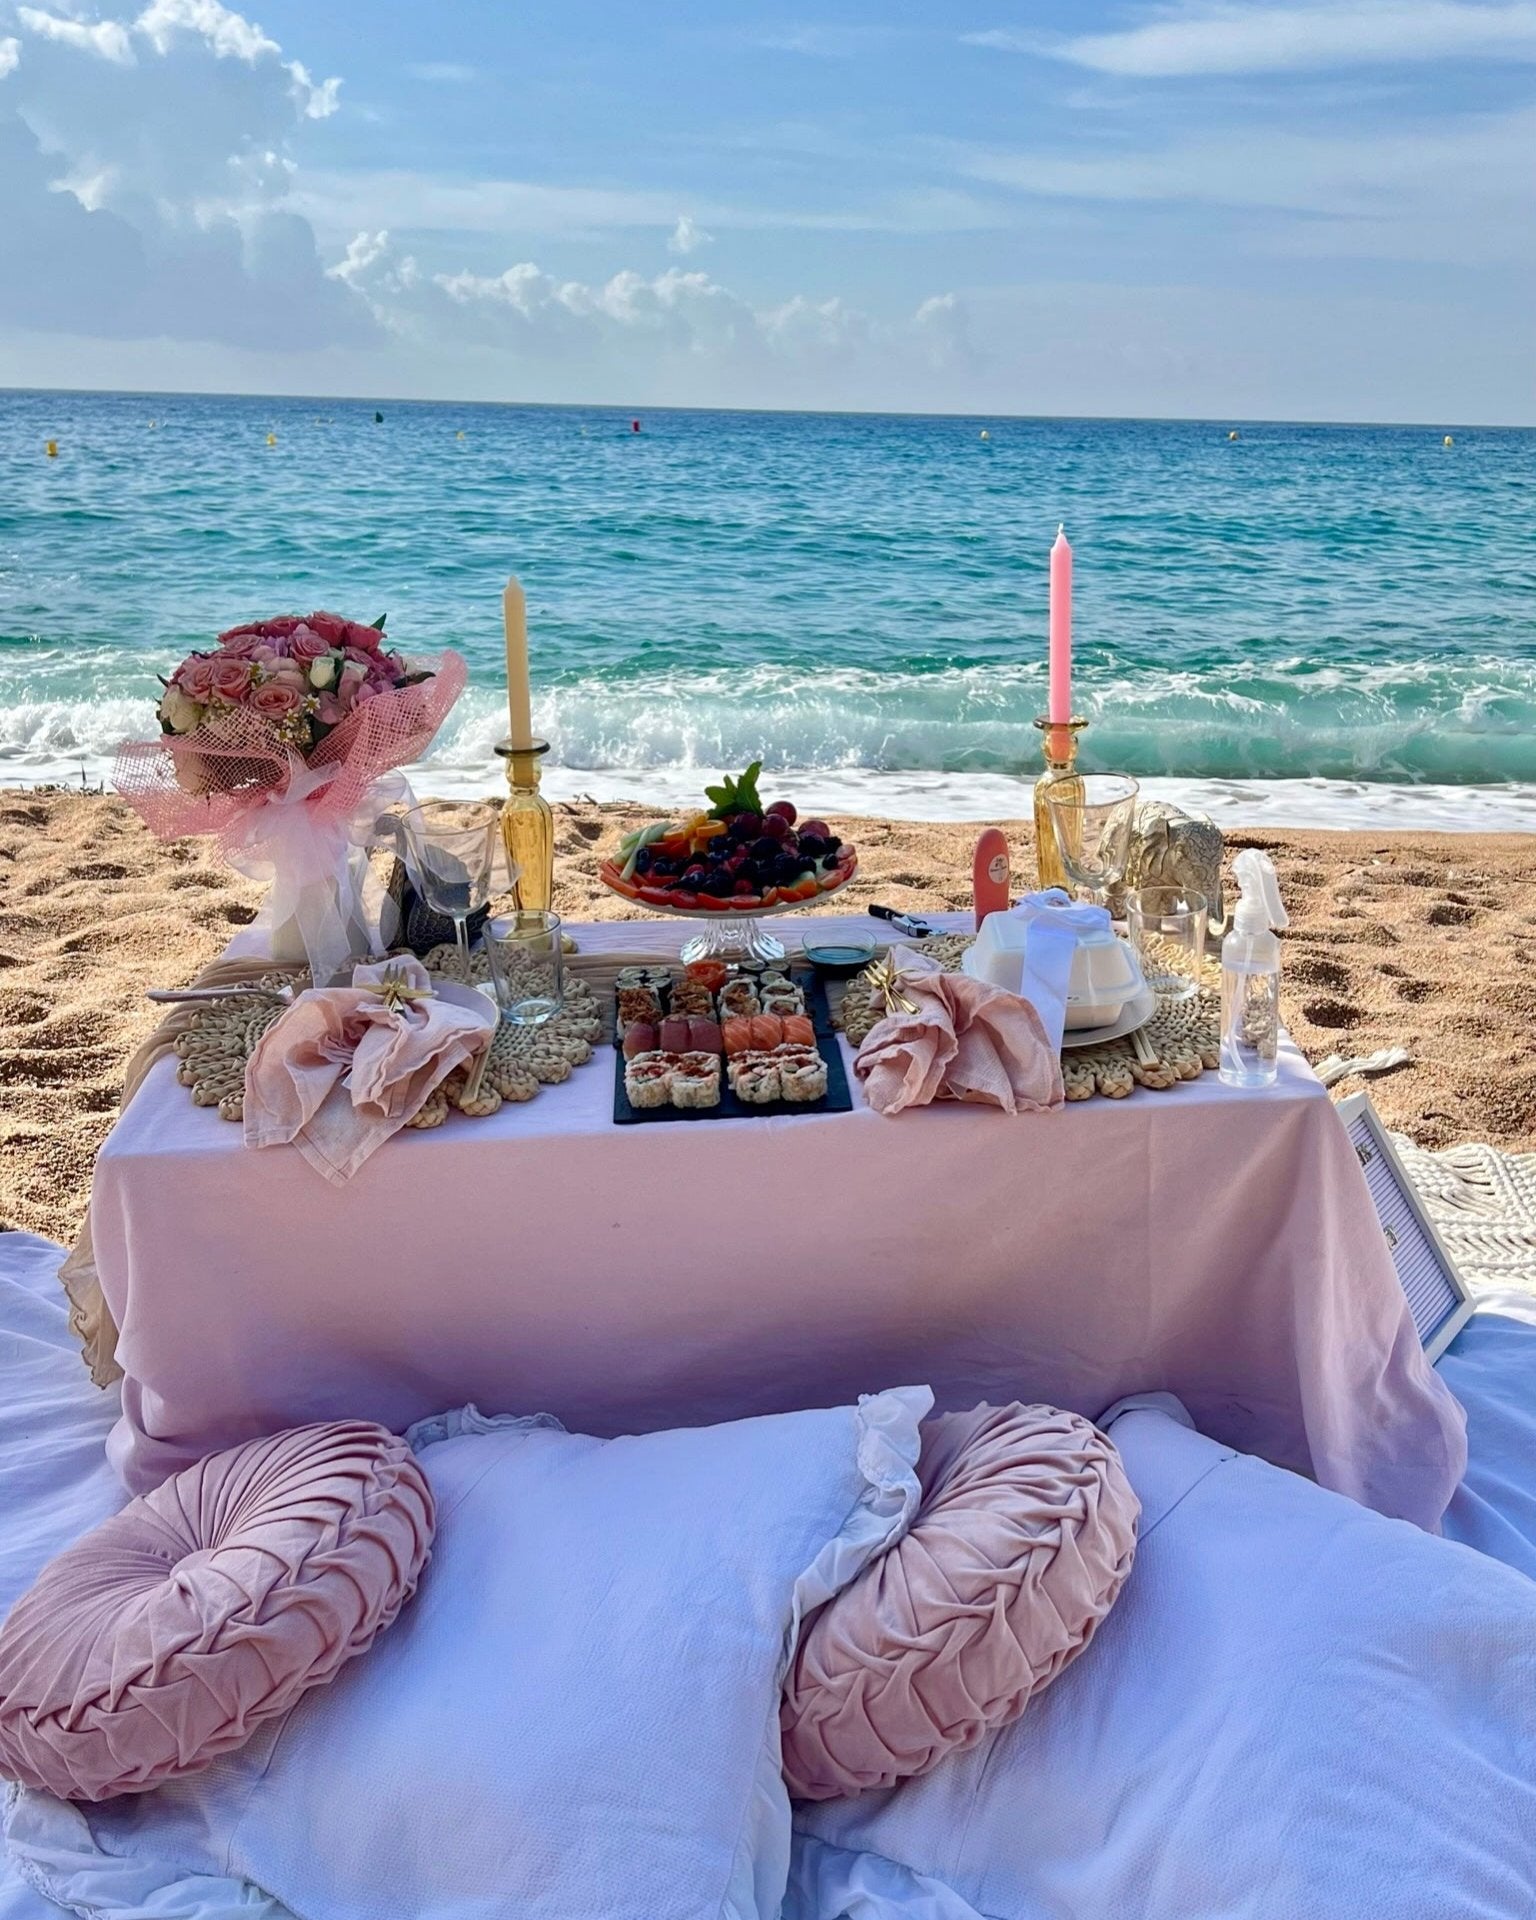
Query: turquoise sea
[(859, 599)]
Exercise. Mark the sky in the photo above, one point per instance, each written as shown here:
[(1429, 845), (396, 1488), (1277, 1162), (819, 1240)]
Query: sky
[(1304, 209)]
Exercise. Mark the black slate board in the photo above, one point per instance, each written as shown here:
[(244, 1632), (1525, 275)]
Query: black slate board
[(836, 1099)]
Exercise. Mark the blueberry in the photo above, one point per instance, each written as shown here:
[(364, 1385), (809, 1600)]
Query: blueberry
[(644, 860)]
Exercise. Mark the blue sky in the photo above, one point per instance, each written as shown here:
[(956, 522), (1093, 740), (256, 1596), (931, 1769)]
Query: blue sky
[(1316, 209)]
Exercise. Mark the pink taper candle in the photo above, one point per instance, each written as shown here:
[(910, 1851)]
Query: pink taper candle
[(1060, 705)]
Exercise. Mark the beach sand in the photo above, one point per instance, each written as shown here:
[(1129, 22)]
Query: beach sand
[(1424, 941)]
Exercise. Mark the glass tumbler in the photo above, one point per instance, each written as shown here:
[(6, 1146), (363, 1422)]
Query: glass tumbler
[(527, 958), (1167, 927)]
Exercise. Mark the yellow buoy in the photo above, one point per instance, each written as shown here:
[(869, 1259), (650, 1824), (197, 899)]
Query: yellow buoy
[(1447, 441), (51, 448), (460, 434), (271, 439), (1234, 435)]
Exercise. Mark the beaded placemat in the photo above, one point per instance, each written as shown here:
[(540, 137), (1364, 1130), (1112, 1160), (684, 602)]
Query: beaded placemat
[(1181, 1041), (222, 1036)]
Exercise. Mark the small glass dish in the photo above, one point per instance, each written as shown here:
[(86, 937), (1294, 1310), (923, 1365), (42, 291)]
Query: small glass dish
[(839, 954), (526, 952)]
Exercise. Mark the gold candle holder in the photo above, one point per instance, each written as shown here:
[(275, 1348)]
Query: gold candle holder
[(528, 827), (1059, 744)]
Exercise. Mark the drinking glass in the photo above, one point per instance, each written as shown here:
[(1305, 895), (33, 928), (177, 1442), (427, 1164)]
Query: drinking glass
[(454, 861), (1091, 817), (1167, 928), (527, 959)]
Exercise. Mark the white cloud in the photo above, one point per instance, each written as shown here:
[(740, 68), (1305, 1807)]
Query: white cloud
[(143, 163), (10, 56), (1458, 190), (1202, 39), (688, 236), (106, 38)]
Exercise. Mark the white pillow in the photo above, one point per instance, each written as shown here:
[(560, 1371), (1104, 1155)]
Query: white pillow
[(1296, 1709), (576, 1719)]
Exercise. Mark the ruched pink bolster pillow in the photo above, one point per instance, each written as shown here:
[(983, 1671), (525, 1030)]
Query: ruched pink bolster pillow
[(1024, 1536), (167, 1634)]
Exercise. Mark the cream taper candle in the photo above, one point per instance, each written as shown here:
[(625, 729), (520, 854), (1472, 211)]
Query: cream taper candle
[(519, 704)]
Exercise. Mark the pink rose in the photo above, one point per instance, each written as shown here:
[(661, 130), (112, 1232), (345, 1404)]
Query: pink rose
[(230, 677), (307, 645), (330, 712), (331, 628), (274, 700), (290, 672), (242, 649), (195, 678)]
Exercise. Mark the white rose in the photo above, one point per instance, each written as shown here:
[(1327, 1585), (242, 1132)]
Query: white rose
[(352, 674), (323, 673), (179, 712)]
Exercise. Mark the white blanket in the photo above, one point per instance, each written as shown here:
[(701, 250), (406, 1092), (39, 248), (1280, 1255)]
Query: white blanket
[(1455, 1661)]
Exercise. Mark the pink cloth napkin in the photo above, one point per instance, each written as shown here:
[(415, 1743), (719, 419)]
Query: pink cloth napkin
[(966, 1041), (343, 1069)]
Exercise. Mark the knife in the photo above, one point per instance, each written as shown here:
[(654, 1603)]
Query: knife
[(906, 923)]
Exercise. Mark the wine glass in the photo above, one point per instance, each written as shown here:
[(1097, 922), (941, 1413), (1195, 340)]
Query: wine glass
[(1091, 818), (454, 859)]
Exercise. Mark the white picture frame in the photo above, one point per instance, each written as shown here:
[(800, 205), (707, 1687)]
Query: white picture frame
[(1437, 1295)]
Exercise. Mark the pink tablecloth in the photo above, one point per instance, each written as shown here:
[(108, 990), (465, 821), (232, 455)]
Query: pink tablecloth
[(1214, 1243)]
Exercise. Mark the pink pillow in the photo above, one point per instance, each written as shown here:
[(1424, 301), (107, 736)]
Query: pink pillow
[(1025, 1534), (167, 1634)]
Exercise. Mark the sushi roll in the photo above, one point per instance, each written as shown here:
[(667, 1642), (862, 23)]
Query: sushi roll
[(755, 1079), (767, 1031), (783, 1000), (798, 1030), (648, 1079), (737, 1036), (692, 997), (696, 1080), (672, 1034), (738, 999), (704, 1036), (802, 1074), (639, 1038), (637, 1003)]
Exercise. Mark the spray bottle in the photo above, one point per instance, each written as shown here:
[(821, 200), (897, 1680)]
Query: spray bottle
[(1250, 975)]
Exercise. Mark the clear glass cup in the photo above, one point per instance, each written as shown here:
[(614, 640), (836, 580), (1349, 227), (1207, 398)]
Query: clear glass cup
[(454, 858), (526, 952), (1167, 926), (1092, 815)]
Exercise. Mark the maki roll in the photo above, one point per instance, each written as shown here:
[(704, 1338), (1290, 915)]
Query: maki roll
[(692, 997), (648, 1079), (696, 1080), (755, 1079), (637, 1003), (738, 1000), (802, 1074)]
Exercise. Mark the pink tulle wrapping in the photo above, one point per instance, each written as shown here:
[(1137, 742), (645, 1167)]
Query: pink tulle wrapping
[(166, 1635), (217, 778), (1025, 1535)]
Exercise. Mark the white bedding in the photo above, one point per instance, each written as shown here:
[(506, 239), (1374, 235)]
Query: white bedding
[(1446, 1668)]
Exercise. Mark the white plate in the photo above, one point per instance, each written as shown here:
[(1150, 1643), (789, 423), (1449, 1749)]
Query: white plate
[(1136, 1013)]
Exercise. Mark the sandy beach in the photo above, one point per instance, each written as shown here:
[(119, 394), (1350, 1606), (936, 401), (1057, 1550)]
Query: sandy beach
[(1424, 941)]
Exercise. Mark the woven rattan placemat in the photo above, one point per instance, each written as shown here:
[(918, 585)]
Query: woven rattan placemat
[(1183, 1038)]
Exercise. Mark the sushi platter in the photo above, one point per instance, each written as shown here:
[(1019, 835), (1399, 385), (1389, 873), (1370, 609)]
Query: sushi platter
[(721, 1042), (730, 867)]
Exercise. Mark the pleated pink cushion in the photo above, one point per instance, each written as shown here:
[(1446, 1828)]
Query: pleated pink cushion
[(166, 1635), (1025, 1535)]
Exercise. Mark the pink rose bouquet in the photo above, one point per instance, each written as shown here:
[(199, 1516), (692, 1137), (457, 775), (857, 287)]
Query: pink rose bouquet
[(274, 740)]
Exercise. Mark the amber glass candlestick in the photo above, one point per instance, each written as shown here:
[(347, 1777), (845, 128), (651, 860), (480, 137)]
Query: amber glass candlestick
[(1059, 743), (528, 826)]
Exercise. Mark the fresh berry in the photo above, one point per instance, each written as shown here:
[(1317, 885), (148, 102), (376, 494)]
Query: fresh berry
[(719, 884), (745, 826), (785, 809), (786, 868), (812, 843), (765, 849), (694, 877), (817, 829), (776, 827), (643, 860)]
